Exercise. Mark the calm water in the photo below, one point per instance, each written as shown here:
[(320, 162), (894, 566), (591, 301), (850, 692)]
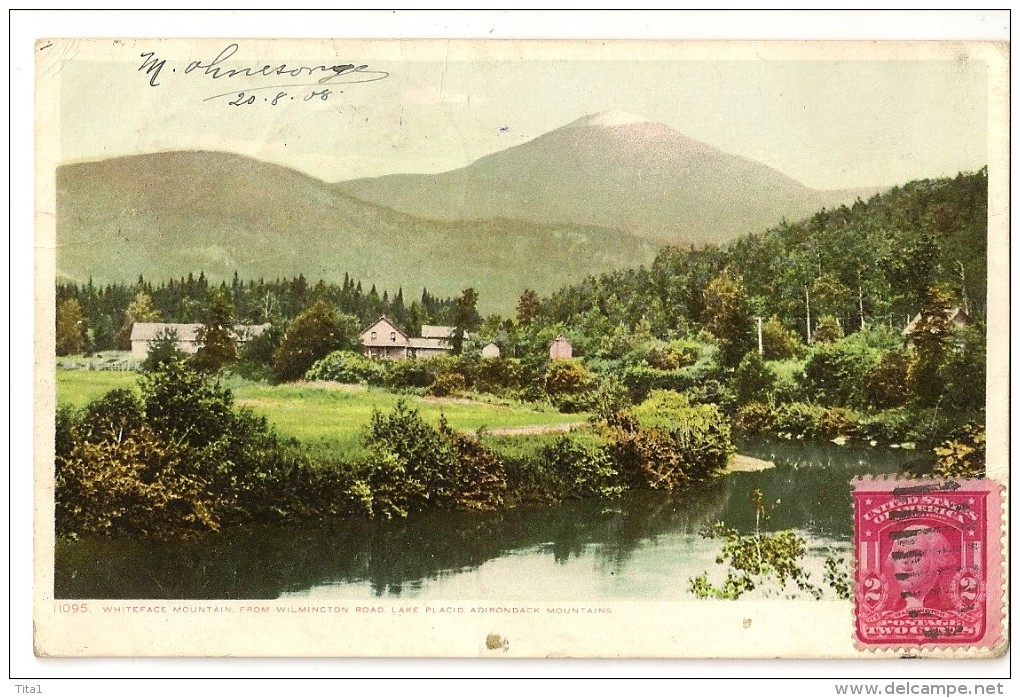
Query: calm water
[(642, 546)]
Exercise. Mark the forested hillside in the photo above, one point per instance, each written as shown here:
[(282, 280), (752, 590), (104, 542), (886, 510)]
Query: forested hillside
[(870, 263)]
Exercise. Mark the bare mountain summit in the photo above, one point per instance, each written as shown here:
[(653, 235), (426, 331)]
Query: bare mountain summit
[(614, 170)]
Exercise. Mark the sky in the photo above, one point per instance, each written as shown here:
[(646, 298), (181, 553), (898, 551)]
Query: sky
[(830, 119)]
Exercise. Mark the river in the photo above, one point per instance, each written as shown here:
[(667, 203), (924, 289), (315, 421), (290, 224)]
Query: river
[(643, 546)]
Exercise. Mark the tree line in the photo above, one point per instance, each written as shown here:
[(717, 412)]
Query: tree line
[(93, 318), (841, 270)]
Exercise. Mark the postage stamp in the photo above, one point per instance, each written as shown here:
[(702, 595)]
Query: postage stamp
[(929, 563)]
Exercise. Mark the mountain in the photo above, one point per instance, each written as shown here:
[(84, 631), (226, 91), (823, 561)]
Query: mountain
[(164, 215), (614, 170)]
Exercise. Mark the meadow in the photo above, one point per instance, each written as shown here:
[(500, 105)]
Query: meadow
[(329, 419)]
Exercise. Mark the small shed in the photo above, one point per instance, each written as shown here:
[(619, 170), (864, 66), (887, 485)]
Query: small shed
[(561, 348), (490, 351)]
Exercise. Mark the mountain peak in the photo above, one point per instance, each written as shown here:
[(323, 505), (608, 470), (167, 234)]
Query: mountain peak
[(608, 119)]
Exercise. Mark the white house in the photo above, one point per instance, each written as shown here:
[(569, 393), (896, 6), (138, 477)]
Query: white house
[(143, 333), (490, 351)]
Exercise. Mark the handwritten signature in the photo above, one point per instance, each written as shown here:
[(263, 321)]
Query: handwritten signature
[(327, 75)]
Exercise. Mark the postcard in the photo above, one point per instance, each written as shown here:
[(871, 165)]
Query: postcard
[(431, 348)]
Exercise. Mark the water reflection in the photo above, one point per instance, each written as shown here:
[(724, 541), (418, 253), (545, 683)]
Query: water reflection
[(628, 541)]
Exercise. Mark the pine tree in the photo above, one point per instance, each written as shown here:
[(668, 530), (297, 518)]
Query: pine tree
[(216, 344), (71, 335)]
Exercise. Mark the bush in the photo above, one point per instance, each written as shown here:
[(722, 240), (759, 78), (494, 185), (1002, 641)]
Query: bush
[(447, 384), (839, 422), (778, 342), (753, 380), (566, 377), (887, 381), (963, 455), (755, 418), (798, 419), (827, 330), (401, 375), (163, 350), (965, 373), (498, 375), (673, 355), (347, 367), (313, 335), (179, 460), (579, 465), (415, 466), (836, 374), (666, 442), (640, 380)]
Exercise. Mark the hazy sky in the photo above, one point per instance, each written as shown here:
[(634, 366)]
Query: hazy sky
[(827, 123)]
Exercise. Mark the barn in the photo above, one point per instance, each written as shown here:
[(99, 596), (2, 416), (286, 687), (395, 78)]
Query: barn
[(143, 333)]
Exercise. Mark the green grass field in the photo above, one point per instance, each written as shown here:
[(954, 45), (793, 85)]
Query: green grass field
[(328, 420)]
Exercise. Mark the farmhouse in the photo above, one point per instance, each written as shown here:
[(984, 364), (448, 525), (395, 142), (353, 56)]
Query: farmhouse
[(142, 333), (384, 340)]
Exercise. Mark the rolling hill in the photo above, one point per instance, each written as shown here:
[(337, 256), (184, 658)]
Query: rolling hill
[(164, 215), (613, 170)]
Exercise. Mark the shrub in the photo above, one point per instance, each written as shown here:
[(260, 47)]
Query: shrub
[(965, 372), (401, 375), (798, 419), (640, 380), (347, 367), (112, 416), (183, 405), (414, 466), (498, 375), (827, 330), (836, 374), (887, 380), (447, 384), (567, 377), (163, 350), (963, 455), (313, 335), (673, 355), (179, 460), (579, 465), (778, 342), (666, 442), (839, 422), (755, 418), (753, 380)]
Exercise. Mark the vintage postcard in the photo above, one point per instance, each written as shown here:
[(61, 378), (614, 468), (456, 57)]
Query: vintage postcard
[(352, 348)]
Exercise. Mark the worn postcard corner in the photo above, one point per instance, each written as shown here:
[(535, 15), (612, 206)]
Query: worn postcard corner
[(521, 349)]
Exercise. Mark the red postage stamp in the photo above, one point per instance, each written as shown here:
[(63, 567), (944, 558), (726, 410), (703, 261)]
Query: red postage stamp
[(929, 563)]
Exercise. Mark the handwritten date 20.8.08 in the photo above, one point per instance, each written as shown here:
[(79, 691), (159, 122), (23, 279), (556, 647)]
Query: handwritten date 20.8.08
[(248, 98)]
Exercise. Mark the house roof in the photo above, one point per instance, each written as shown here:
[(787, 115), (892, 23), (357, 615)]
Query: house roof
[(428, 343), (383, 327), (956, 315), (147, 331), (437, 331), (187, 331)]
